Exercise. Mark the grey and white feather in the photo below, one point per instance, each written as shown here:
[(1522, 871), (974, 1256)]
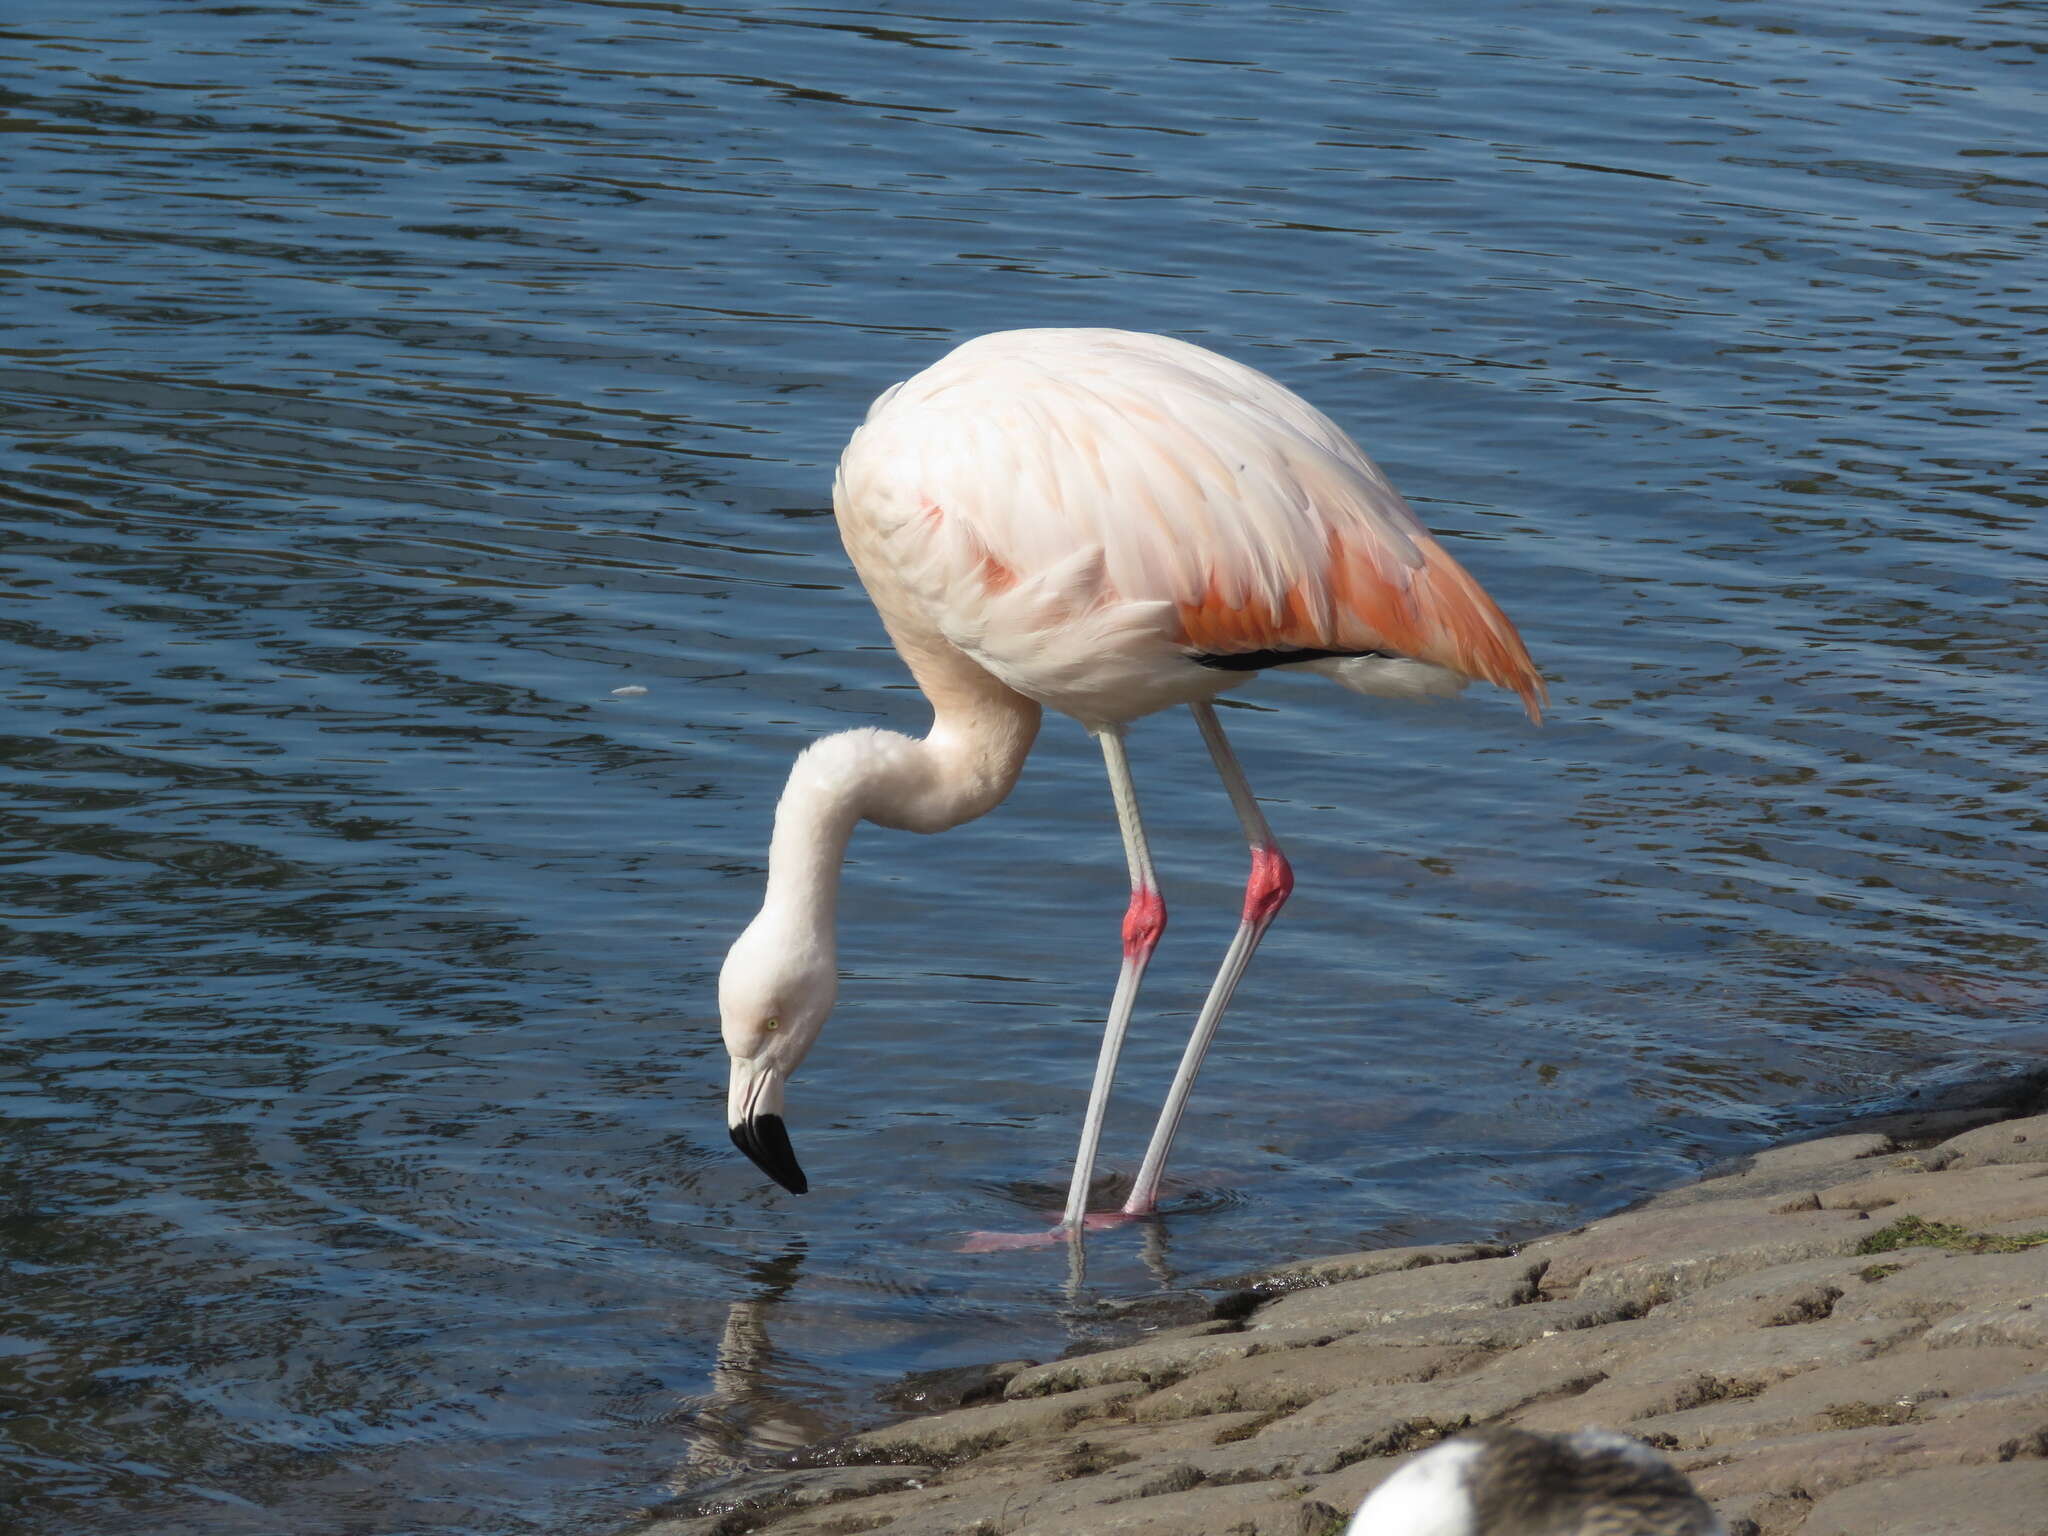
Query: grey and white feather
[(1512, 1482)]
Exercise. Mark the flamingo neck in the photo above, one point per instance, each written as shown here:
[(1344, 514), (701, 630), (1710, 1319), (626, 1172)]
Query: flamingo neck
[(961, 769), (813, 821)]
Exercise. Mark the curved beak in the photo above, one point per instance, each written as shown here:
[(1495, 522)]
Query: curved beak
[(753, 1113)]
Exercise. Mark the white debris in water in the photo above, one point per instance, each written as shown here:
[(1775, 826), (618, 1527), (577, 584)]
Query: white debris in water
[(630, 691)]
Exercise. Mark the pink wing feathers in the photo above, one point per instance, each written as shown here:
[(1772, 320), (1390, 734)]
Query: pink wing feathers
[(1151, 471)]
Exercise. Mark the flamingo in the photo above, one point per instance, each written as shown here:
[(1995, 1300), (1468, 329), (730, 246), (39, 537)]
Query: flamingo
[(1105, 523)]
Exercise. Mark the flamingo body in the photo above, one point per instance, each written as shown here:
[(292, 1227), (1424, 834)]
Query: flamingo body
[(1085, 513), (1107, 524)]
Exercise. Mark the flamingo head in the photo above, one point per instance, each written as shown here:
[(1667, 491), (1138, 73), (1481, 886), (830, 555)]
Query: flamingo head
[(774, 995)]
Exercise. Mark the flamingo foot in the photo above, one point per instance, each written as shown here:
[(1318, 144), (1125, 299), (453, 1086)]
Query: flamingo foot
[(1002, 1242)]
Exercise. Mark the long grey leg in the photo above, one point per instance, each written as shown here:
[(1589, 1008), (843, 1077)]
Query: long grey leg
[(1144, 921), (1264, 894)]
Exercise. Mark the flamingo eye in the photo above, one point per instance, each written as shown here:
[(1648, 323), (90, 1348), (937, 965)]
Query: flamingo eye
[(772, 1024)]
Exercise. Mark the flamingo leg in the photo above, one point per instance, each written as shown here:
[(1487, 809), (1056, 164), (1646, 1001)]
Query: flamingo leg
[(1144, 921), (1265, 892)]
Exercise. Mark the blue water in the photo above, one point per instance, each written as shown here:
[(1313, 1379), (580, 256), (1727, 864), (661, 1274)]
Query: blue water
[(386, 384)]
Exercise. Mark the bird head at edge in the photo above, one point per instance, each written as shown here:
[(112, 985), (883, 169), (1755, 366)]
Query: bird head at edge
[(1591, 1478), (774, 994)]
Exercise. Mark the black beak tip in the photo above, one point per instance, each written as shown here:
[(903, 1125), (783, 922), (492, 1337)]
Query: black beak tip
[(766, 1143)]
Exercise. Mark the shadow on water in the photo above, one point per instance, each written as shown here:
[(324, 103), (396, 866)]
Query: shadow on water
[(386, 389)]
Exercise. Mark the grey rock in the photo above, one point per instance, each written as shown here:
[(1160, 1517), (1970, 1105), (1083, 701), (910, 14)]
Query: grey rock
[(1159, 1361), (2010, 1141), (1786, 1295), (1823, 1152), (1658, 1366), (758, 1492), (1817, 1465), (957, 1386), (1506, 1329), (1165, 1309), (1348, 1426), (1102, 1446), (1484, 1285), (1762, 1514), (684, 1525), (1240, 1510), (1973, 1198), (2007, 1499), (966, 1430), (2024, 1324), (1359, 1266), (1346, 1490), (1925, 1127), (2024, 1401), (940, 1511), (1652, 1255), (1888, 1389), (1933, 1285), (1733, 1323), (1271, 1384), (1794, 1178)]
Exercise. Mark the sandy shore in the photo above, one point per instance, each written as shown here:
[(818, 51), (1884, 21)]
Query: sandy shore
[(1847, 1335)]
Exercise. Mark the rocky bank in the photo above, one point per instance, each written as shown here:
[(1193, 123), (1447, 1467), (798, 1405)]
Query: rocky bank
[(1848, 1335)]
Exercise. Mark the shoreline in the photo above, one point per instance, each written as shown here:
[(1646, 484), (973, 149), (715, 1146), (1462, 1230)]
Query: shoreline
[(1832, 1335)]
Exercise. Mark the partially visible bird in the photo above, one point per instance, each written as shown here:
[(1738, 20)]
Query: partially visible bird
[(1106, 523), (1512, 1482)]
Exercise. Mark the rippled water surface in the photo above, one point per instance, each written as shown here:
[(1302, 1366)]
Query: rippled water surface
[(388, 384)]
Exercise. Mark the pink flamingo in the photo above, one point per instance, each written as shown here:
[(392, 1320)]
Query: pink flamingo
[(1107, 523)]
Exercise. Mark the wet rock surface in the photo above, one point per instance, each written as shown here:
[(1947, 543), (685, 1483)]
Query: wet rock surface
[(1850, 1334)]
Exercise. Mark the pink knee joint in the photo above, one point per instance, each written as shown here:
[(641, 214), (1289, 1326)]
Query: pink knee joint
[(1271, 882), (1144, 921)]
